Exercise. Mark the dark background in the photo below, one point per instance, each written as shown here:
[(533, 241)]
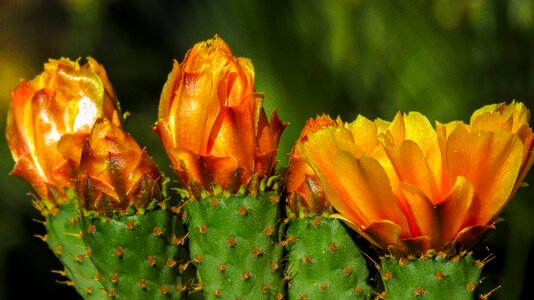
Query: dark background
[(442, 58)]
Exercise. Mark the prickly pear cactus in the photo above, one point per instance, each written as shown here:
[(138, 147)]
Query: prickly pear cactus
[(431, 277), (234, 243), (64, 237), (138, 254), (323, 261)]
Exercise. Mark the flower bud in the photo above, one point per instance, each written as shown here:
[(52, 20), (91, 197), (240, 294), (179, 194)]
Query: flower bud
[(212, 123), (49, 119), (115, 172)]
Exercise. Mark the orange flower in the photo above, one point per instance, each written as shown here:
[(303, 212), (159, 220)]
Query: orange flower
[(212, 123), (304, 191), (49, 119), (405, 185), (115, 172)]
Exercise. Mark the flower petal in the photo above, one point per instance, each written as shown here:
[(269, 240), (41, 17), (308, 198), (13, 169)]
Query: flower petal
[(421, 214), (365, 134), (368, 187), (319, 151), (382, 233), (410, 166), (453, 211), (419, 130), (491, 162)]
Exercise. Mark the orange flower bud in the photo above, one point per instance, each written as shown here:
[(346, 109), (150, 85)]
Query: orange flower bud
[(304, 191), (212, 123), (49, 119), (115, 172), (406, 185)]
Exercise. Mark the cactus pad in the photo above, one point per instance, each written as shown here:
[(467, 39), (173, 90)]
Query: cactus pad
[(435, 277), (324, 262), (139, 256), (234, 242), (65, 239)]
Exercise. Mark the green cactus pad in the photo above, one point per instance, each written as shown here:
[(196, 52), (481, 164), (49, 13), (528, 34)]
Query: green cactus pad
[(324, 262), (234, 242), (65, 239), (138, 256), (434, 277)]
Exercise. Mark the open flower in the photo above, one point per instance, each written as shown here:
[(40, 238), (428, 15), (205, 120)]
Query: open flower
[(405, 185), (304, 191), (49, 118), (212, 123), (115, 172)]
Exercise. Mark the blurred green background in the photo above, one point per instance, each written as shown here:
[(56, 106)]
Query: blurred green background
[(442, 58)]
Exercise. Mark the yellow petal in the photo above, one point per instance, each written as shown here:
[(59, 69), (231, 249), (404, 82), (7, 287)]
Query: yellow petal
[(396, 130), (365, 134), (419, 130)]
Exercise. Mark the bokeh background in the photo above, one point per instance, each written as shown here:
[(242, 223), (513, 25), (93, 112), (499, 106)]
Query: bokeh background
[(348, 57)]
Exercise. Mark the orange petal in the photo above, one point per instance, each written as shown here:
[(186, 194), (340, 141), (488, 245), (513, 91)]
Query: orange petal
[(223, 171), (469, 236), (194, 111), (491, 162), (417, 246), (230, 137), (368, 187), (188, 167), (439, 181), (410, 166), (169, 90), (381, 233), (319, 152), (421, 215), (453, 211)]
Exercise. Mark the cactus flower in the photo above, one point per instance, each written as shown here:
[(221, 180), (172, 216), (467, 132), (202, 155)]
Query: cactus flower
[(49, 118), (405, 185), (212, 122), (115, 172), (304, 191)]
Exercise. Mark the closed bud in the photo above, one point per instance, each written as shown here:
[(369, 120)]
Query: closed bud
[(49, 119), (212, 122), (115, 172)]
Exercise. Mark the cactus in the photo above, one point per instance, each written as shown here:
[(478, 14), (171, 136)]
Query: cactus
[(139, 254), (412, 190), (234, 243), (64, 237), (323, 261), (431, 277)]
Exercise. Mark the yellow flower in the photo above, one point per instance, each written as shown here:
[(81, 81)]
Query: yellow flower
[(304, 191), (49, 118), (405, 185), (212, 123), (115, 172)]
